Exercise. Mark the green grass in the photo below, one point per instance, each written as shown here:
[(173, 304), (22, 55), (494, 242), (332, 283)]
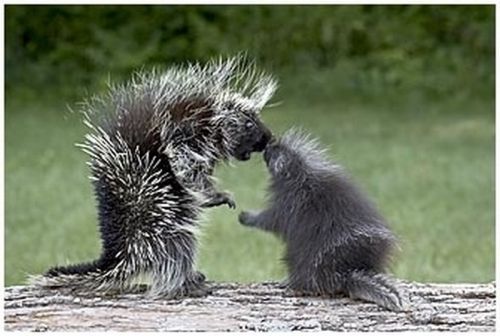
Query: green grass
[(429, 165)]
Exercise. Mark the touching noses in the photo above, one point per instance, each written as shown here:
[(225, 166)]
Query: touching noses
[(264, 139)]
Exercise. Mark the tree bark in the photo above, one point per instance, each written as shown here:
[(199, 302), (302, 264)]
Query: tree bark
[(257, 307)]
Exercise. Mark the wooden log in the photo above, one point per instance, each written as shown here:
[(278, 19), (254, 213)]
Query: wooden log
[(257, 307)]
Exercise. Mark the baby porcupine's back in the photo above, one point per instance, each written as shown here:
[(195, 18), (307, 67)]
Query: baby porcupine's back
[(327, 197), (339, 241)]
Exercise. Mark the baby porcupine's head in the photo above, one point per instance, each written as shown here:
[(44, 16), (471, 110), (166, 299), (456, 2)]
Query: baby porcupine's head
[(295, 155)]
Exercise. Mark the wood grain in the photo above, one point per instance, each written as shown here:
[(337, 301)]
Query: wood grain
[(256, 307)]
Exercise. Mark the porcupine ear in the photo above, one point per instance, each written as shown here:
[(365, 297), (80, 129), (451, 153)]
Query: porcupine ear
[(279, 164)]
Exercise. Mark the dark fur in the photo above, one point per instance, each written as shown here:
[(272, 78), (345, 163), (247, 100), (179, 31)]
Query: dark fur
[(153, 146), (127, 222), (336, 241)]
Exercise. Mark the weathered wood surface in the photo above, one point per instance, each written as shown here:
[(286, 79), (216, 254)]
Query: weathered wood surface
[(258, 307)]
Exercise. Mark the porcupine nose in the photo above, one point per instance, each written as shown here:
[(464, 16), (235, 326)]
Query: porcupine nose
[(264, 140)]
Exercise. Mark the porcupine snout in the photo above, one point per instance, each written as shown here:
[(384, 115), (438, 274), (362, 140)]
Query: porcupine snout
[(265, 138)]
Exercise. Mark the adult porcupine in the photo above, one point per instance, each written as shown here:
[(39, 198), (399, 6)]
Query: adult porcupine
[(153, 144), (336, 241)]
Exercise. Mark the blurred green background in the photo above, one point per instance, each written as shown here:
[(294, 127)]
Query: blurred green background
[(403, 96)]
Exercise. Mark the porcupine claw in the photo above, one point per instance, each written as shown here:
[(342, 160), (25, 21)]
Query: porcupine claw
[(220, 199)]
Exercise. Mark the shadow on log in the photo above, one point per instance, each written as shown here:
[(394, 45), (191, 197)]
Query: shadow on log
[(256, 307)]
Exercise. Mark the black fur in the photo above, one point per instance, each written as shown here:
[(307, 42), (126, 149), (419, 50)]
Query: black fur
[(153, 145), (336, 240), (127, 220)]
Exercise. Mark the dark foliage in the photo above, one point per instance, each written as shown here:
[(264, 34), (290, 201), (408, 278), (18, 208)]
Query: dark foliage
[(434, 47)]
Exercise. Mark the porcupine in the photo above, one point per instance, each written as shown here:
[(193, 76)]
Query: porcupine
[(336, 240), (153, 144)]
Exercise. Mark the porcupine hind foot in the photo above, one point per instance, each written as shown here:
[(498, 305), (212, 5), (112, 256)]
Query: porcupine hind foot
[(196, 286)]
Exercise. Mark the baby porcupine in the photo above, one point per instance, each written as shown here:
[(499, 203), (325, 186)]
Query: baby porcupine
[(153, 145), (336, 241)]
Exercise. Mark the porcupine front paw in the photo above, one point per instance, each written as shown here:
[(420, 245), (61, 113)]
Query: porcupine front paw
[(220, 198), (246, 218)]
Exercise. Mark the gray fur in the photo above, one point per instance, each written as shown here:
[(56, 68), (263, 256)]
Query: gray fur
[(336, 240)]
